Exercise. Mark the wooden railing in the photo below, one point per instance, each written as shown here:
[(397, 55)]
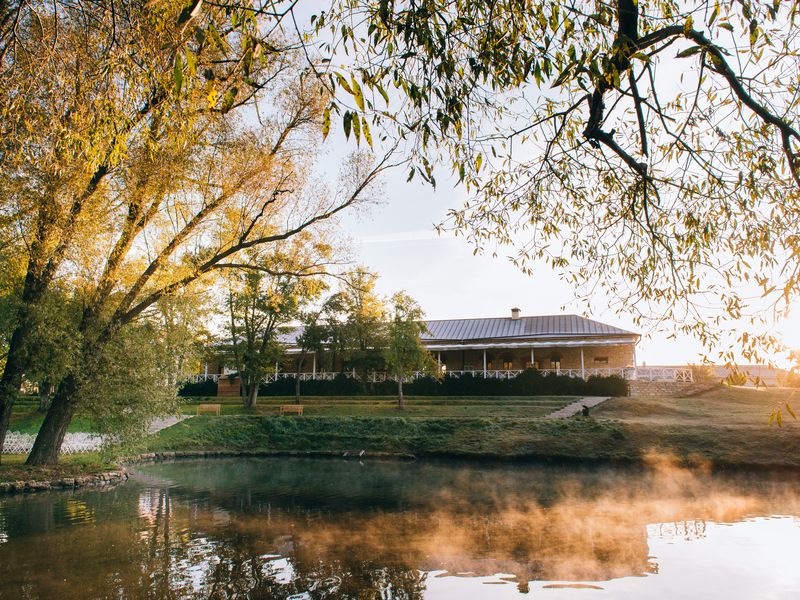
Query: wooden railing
[(632, 373)]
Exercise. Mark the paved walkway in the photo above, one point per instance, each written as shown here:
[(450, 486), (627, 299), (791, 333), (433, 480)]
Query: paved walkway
[(157, 425), (573, 409)]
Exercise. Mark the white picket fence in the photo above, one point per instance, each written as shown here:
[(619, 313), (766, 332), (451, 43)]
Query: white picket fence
[(21, 443)]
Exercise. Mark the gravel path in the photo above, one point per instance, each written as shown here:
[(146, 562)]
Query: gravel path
[(573, 409), (158, 424)]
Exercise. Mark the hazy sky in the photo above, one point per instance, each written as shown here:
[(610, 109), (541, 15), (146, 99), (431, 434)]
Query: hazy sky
[(397, 240)]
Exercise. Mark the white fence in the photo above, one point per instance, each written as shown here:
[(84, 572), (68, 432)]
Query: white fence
[(21, 443), (631, 373)]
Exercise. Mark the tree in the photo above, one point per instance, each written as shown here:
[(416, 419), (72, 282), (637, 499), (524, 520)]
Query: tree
[(265, 296), (311, 339), (649, 147), (364, 330), (404, 352), (191, 186)]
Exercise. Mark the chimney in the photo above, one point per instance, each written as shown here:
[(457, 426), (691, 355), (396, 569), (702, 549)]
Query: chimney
[(515, 313)]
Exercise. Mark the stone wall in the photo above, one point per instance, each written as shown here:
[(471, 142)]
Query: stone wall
[(669, 389)]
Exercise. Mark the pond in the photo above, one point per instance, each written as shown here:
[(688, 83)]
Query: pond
[(302, 529)]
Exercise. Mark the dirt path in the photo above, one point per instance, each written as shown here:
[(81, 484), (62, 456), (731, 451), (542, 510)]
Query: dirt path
[(576, 407)]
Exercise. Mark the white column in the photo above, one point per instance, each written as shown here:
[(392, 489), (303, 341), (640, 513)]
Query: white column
[(583, 368), (484, 364), (531, 357), (206, 371), (314, 365), (276, 368)]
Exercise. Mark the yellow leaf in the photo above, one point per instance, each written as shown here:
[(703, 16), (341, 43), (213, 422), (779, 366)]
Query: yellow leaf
[(366, 131)]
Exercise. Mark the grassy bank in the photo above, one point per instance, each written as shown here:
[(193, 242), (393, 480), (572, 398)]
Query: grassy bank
[(13, 467), (386, 406), (726, 426)]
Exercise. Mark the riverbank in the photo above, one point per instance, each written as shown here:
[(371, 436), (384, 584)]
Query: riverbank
[(76, 470), (725, 427)]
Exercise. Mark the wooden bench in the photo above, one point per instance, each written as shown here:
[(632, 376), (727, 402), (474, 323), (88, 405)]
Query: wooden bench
[(288, 409), (209, 408)]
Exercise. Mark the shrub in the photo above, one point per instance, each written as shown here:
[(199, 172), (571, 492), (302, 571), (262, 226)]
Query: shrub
[(528, 383), (206, 387)]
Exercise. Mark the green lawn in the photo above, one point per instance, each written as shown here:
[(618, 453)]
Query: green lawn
[(25, 418), (725, 426), (723, 407), (386, 406)]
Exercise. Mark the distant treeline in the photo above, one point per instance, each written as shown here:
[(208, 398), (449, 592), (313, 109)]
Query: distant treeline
[(528, 383)]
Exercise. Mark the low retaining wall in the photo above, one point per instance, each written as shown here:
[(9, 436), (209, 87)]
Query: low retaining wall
[(670, 389), (66, 483)]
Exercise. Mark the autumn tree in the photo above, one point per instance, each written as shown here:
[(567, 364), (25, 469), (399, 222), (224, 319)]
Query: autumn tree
[(140, 173), (364, 331), (404, 352), (265, 295)]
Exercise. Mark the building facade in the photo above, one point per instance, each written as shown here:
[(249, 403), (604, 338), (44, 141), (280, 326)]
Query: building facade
[(561, 343)]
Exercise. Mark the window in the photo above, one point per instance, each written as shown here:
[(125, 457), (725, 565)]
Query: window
[(555, 363), (601, 360), (508, 364)]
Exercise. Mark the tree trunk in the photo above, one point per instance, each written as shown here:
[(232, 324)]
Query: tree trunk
[(11, 381), (300, 362), (51, 434), (251, 398), (401, 401), (45, 395)]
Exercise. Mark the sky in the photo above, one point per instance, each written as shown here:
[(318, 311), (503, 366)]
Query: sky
[(397, 240)]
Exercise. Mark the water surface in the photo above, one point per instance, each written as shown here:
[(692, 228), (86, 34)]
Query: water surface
[(334, 529)]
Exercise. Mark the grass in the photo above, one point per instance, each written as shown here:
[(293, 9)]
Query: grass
[(26, 418), (723, 406), (726, 426), (386, 406), (13, 467)]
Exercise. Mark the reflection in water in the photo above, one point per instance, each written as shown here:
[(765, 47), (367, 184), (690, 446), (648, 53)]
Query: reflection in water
[(304, 529)]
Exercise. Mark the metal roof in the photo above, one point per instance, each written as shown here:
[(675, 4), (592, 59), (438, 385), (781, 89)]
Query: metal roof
[(503, 328), (547, 326)]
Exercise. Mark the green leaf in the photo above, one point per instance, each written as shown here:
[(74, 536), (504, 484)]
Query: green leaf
[(216, 37), (228, 100), (726, 26), (714, 15), (347, 123), (177, 73), (357, 128), (326, 122), (688, 52), (343, 82), (384, 94)]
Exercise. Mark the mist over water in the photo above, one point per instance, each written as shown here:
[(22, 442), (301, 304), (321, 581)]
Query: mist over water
[(330, 529)]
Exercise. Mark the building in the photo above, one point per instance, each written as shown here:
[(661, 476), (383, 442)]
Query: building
[(499, 347), (563, 343)]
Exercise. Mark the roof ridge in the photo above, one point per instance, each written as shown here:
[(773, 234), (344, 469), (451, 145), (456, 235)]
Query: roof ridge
[(509, 317)]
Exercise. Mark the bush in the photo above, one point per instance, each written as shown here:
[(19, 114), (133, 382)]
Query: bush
[(528, 383), (206, 387)]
